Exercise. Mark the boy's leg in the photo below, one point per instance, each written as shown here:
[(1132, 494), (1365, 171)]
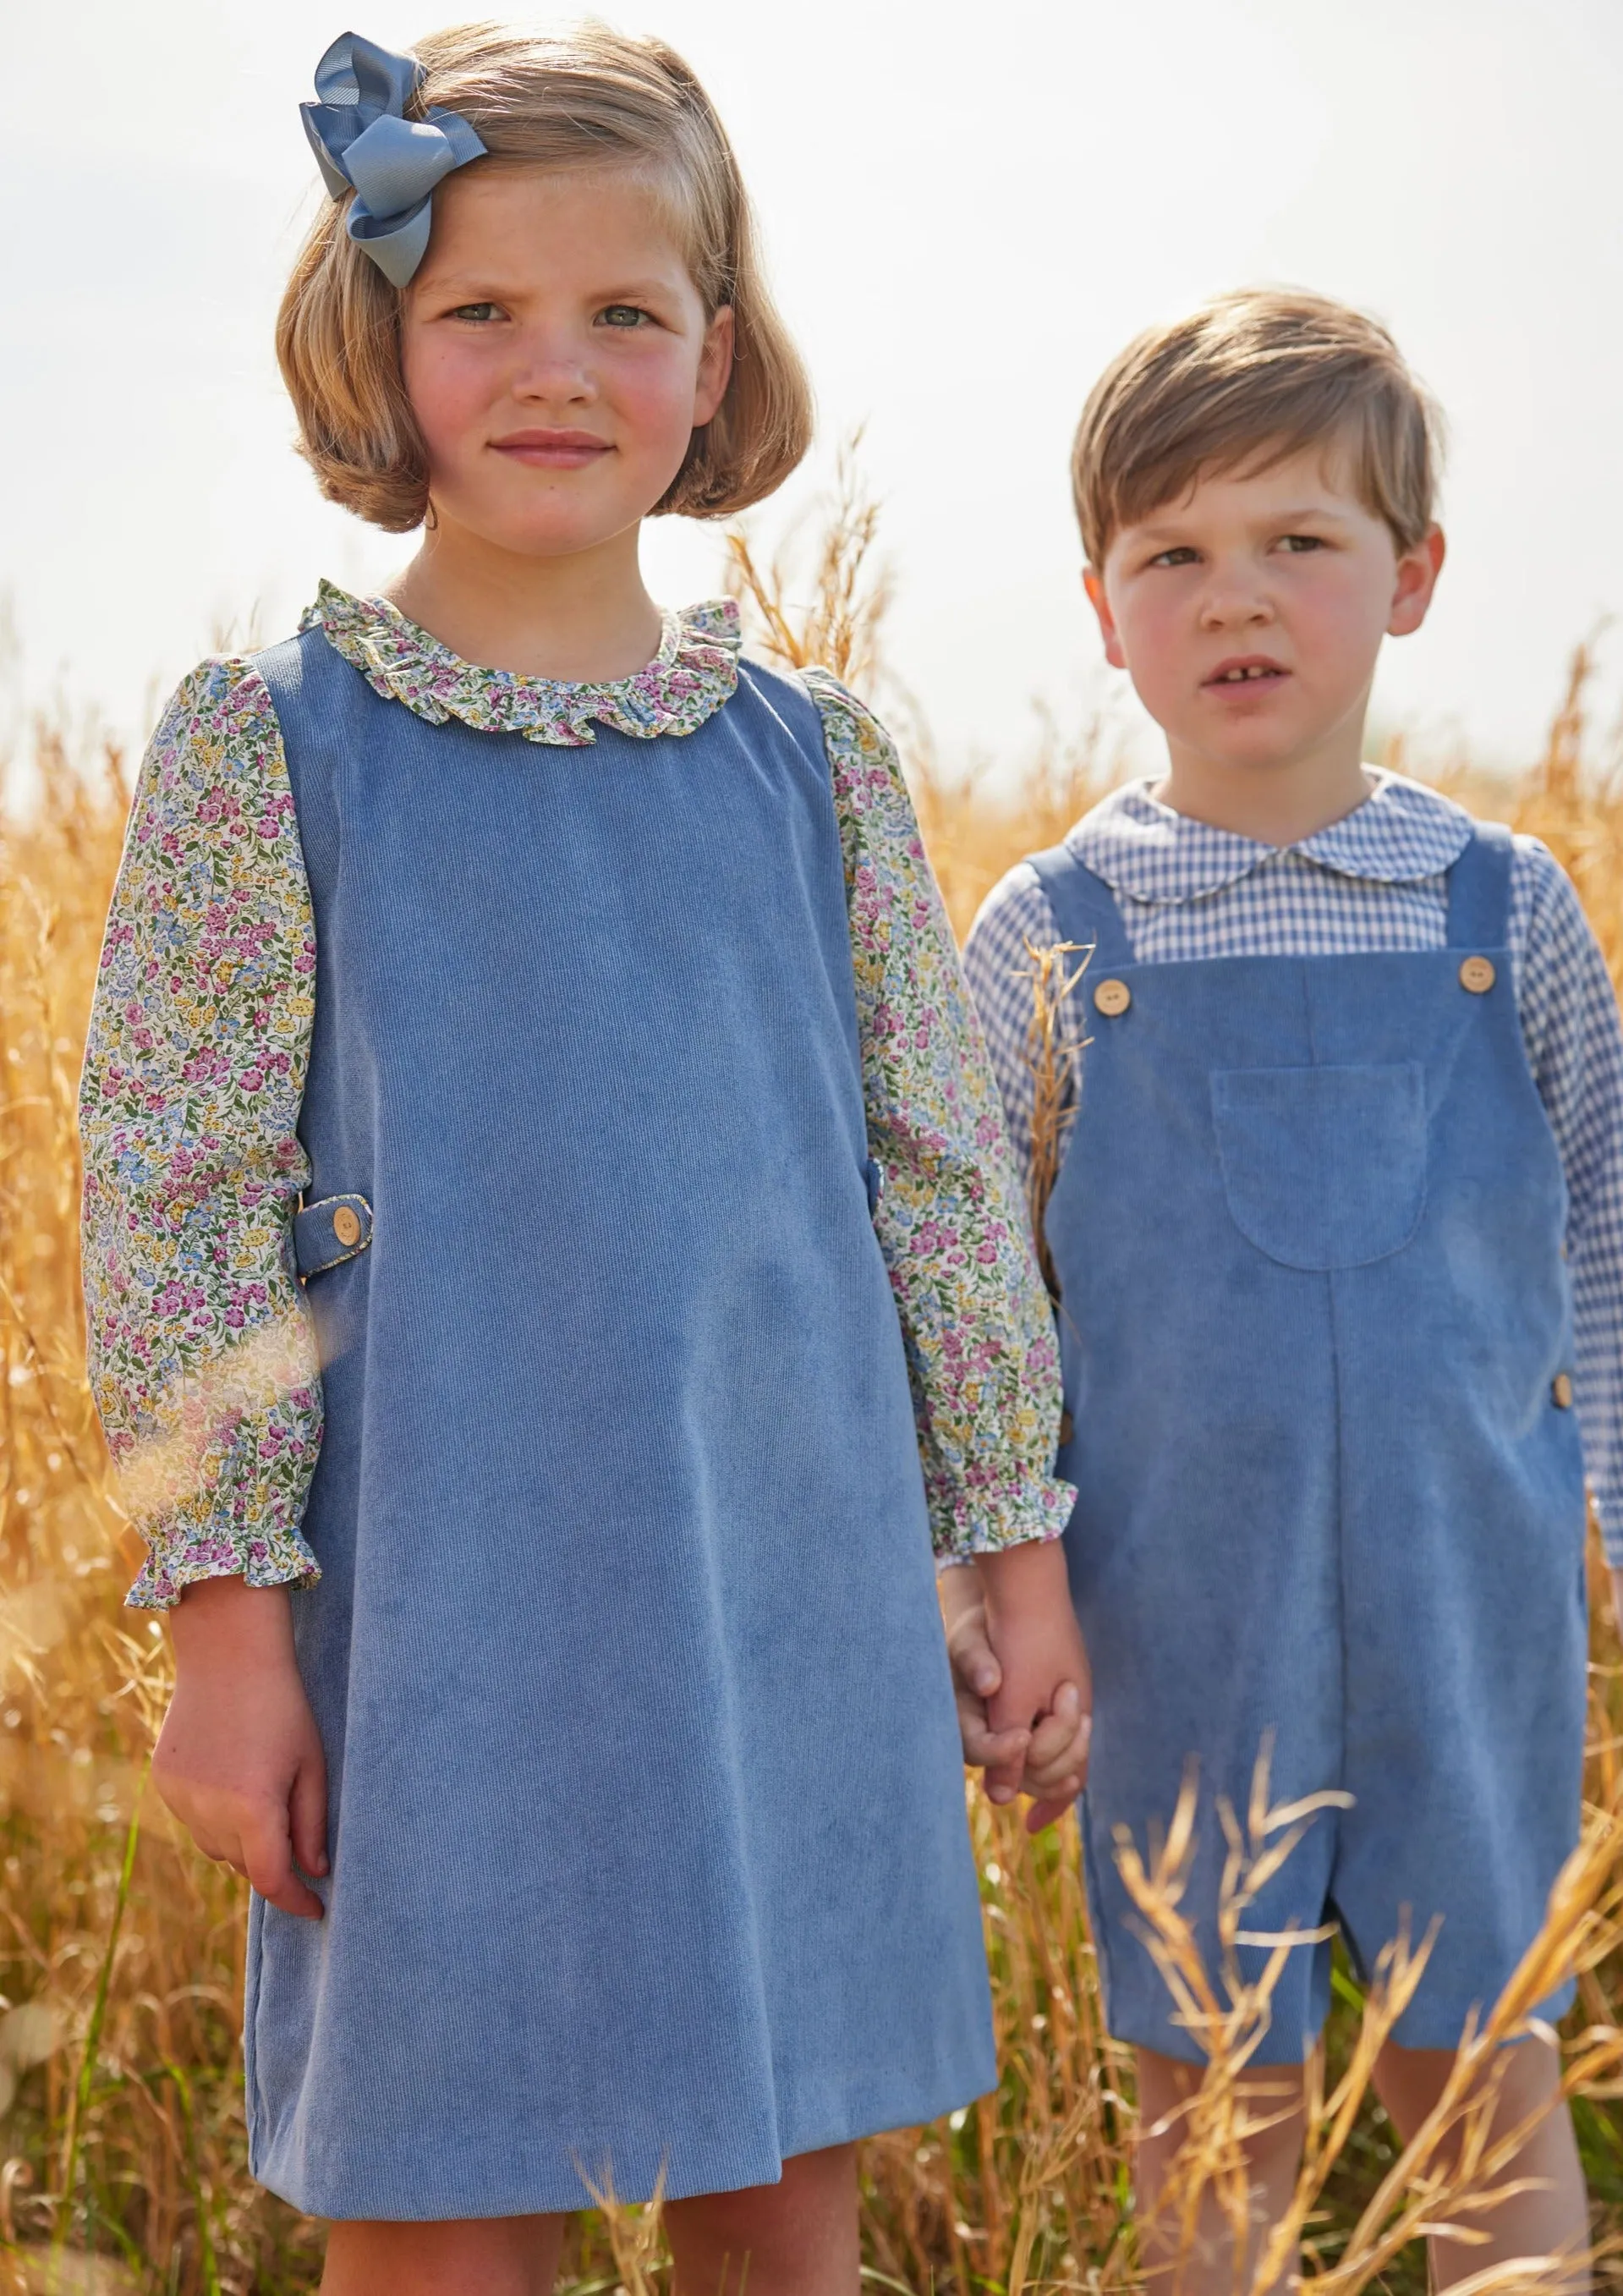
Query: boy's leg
[(497, 2256), (1210, 2268), (795, 2238), (1552, 2220)]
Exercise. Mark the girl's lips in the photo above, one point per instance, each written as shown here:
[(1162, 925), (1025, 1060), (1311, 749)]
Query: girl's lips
[(552, 450)]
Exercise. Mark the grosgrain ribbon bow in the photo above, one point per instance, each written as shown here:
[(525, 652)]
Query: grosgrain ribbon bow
[(364, 141)]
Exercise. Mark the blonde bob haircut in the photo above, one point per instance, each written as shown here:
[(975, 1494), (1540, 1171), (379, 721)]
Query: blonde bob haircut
[(584, 97), (1244, 382)]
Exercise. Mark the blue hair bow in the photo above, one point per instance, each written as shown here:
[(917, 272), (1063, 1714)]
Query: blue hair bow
[(364, 141)]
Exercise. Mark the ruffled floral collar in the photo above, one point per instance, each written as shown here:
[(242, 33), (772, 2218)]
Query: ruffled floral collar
[(693, 673)]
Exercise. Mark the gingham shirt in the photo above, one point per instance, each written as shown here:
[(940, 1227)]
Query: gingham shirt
[(1375, 880)]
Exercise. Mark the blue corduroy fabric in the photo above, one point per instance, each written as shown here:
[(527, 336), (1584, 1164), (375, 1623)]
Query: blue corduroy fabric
[(1308, 1229), (649, 1845)]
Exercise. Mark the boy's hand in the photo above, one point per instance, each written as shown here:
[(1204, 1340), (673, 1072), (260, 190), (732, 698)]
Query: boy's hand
[(1021, 1673), (1032, 1627), (239, 1760)]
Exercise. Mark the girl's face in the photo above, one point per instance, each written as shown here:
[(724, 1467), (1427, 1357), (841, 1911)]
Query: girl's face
[(557, 356)]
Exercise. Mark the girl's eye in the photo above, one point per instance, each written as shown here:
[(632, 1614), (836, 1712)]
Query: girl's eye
[(1181, 556), (1295, 544), (478, 313), (622, 314)]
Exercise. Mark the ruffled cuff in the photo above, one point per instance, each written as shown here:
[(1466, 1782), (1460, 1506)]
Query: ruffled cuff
[(973, 1515), (241, 1507)]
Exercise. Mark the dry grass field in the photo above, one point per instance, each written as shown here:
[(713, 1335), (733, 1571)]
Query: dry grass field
[(122, 2132)]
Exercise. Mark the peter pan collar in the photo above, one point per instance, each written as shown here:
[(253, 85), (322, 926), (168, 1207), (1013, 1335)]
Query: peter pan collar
[(693, 673), (1142, 848)]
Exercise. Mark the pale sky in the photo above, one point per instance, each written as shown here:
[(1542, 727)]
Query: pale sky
[(966, 211)]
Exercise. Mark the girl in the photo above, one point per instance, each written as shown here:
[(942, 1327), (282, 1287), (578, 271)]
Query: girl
[(567, 1004)]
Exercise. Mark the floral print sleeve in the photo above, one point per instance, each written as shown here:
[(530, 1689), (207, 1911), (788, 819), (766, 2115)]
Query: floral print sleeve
[(203, 1358), (981, 1352)]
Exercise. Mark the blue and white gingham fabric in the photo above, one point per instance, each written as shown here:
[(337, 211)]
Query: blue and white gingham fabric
[(1376, 879)]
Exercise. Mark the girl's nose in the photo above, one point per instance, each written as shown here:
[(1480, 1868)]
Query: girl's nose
[(552, 374)]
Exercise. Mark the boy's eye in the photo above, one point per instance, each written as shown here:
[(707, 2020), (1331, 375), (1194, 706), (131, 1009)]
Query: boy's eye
[(622, 314), (1296, 542), (1180, 555)]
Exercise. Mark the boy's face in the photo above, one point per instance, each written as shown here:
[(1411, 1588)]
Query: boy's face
[(1250, 612)]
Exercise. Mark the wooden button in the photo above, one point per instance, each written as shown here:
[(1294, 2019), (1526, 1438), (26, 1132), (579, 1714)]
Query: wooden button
[(1560, 1391), (1477, 974), (1113, 998), (1066, 1427), (346, 1226)]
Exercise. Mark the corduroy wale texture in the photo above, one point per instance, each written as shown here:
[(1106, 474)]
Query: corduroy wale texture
[(649, 1846), (1315, 1320)]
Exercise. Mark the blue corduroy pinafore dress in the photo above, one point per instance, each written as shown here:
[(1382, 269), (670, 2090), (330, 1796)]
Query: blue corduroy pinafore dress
[(1317, 1340), (649, 1850)]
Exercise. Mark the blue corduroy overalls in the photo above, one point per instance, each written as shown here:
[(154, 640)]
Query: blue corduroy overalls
[(1317, 1336), (649, 1851)]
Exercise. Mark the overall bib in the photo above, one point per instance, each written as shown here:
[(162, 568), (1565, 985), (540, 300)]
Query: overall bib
[(1318, 1338), (649, 1850)]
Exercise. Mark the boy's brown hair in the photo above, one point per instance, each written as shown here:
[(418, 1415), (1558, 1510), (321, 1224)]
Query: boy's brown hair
[(1246, 381), (585, 97)]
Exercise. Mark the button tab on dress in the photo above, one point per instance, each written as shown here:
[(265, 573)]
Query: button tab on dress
[(1113, 998), (1478, 975), (1560, 1391)]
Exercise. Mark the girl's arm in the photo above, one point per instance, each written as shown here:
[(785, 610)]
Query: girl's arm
[(203, 1359), (976, 1323)]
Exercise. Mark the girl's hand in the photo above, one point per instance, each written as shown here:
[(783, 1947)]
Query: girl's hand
[(977, 1676), (1046, 1687), (239, 1760)]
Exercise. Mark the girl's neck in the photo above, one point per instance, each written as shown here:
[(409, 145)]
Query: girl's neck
[(584, 618)]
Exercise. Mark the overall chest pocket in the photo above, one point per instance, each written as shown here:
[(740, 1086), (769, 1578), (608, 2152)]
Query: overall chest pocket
[(1323, 1168)]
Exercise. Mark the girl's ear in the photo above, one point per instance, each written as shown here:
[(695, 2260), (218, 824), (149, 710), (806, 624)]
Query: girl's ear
[(715, 367), (1092, 582), (1417, 573)]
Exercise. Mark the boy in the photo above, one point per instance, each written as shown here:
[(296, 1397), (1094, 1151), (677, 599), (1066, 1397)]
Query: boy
[(1344, 1181)]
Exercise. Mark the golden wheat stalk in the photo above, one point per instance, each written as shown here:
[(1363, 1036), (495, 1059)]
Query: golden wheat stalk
[(1054, 1056)]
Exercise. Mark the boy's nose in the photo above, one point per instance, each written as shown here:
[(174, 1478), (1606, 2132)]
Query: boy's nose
[(1227, 606)]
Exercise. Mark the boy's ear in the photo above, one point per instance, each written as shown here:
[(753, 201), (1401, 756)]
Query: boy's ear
[(1092, 582), (1417, 573)]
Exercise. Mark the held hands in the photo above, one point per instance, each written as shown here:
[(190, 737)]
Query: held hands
[(1021, 1675), (239, 1760)]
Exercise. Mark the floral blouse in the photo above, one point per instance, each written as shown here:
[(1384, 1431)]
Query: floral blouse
[(203, 1357)]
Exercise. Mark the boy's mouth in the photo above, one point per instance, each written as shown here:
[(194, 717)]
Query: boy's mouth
[(1247, 669)]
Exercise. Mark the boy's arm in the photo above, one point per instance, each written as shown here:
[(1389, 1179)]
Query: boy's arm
[(1014, 919), (1575, 1043)]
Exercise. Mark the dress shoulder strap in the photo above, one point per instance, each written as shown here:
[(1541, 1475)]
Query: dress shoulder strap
[(1083, 907), (1479, 889)]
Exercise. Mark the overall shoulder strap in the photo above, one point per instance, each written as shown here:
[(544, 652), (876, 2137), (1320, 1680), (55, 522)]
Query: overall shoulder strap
[(1083, 907), (1479, 889)]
